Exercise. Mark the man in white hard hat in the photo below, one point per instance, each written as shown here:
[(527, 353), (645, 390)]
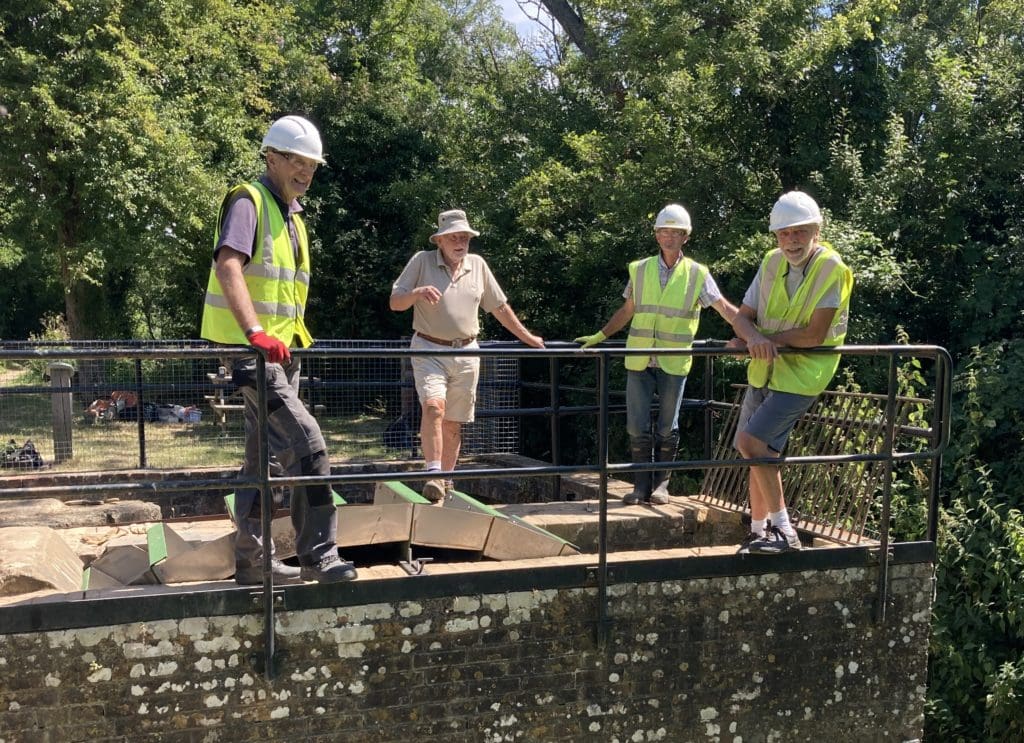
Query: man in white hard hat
[(799, 298), (446, 289), (662, 302), (256, 295)]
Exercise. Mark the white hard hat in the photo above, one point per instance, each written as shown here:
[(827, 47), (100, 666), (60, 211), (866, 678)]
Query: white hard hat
[(674, 217), (793, 209), (294, 134)]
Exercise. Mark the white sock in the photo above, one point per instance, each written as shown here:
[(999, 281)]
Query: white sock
[(780, 520), (757, 526), (434, 465)]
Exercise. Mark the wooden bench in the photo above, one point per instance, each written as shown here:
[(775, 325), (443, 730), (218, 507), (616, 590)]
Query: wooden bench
[(222, 408)]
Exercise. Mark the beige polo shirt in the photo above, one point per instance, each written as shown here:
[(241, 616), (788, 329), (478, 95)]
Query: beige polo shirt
[(457, 315)]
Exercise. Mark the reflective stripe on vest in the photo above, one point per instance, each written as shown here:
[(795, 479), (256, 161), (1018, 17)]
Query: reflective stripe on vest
[(801, 374), (664, 318), (278, 287)]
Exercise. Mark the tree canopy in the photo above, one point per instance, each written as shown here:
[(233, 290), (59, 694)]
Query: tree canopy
[(905, 119)]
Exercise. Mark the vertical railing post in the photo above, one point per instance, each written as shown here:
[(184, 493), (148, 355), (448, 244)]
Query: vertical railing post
[(939, 425), (61, 404), (882, 597), (556, 425), (602, 533), (266, 517), (140, 407), (709, 393)]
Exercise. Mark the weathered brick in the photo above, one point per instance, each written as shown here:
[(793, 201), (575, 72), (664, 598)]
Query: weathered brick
[(738, 656)]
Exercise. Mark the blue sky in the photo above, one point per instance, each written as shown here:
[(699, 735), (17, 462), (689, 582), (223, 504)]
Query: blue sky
[(516, 17)]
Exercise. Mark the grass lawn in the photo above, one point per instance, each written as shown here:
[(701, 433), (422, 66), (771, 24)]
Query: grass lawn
[(114, 444)]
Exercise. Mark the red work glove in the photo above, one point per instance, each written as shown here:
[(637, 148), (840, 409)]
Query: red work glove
[(272, 348)]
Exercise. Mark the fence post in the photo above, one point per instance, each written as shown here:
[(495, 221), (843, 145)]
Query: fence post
[(61, 404)]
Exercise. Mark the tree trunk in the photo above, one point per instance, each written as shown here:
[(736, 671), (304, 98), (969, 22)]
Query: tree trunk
[(579, 33), (574, 26)]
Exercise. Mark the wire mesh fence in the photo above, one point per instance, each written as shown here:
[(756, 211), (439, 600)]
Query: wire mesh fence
[(170, 413)]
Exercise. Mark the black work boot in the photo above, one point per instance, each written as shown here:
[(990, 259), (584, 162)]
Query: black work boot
[(253, 575), (315, 535), (640, 450), (665, 451), (330, 569), (249, 555)]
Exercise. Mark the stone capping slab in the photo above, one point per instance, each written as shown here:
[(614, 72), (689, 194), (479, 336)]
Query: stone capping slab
[(76, 609), (36, 558), (55, 513)]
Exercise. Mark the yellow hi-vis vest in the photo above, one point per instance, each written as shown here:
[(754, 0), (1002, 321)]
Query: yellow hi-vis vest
[(801, 374), (277, 285), (664, 318)]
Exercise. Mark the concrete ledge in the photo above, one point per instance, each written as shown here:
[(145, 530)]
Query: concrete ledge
[(55, 513)]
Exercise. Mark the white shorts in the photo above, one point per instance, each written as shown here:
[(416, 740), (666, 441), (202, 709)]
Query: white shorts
[(449, 378)]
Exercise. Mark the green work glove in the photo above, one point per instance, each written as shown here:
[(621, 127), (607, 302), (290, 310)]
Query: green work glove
[(587, 341)]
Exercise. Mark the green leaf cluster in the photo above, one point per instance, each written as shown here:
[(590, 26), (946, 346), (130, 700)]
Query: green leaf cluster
[(904, 119)]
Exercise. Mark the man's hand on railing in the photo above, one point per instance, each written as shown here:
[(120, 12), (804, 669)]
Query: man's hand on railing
[(273, 349), (761, 347), (586, 341)]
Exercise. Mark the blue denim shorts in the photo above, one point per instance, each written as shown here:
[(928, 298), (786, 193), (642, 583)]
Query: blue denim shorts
[(769, 415)]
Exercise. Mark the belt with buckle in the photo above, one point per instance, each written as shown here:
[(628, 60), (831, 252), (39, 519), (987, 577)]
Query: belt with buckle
[(457, 343)]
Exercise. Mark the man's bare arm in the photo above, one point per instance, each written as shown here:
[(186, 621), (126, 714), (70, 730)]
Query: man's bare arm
[(230, 264), (811, 335), (512, 324)]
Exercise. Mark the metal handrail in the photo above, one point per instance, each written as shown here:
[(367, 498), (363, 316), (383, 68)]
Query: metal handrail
[(939, 439)]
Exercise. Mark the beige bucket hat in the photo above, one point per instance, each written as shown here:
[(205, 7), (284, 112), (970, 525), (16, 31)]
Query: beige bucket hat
[(453, 220)]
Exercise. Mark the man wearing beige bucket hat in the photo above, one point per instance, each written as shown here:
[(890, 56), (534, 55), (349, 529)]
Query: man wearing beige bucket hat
[(446, 288)]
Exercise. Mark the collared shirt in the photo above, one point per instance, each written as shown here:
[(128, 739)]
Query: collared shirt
[(457, 315), (794, 277), (239, 229), (708, 295)]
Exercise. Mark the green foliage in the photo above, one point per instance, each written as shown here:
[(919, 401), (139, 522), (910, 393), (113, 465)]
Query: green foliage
[(904, 120), (976, 689), (979, 619), (124, 120), (988, 425)]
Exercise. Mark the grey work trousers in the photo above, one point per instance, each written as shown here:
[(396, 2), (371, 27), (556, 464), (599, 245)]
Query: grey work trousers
[(297, 447)]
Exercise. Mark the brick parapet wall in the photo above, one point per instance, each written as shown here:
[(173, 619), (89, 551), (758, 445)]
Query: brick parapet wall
[(769, 656)]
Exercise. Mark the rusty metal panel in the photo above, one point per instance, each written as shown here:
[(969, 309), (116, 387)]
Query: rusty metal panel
[(829, 500)]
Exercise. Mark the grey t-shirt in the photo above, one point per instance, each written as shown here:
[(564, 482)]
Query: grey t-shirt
[(238, 230)]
